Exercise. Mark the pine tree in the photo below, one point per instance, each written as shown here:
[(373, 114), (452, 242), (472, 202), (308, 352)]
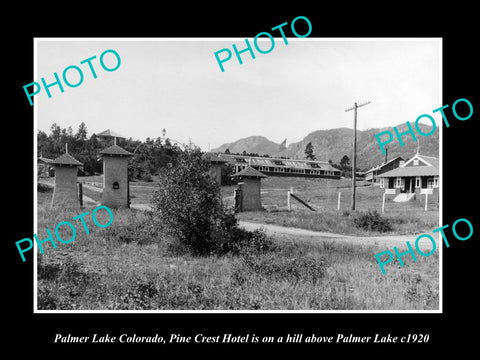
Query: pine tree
[(309, 152), (345, 162), (82, 132)]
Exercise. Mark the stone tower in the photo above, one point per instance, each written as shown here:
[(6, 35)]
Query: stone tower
[(65, 192), (115, 177), (250, 188), (216, 165)]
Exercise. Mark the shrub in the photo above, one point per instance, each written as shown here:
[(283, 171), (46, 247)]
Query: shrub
[(188, 202), (371, 220), (235, 240), (188, 207)]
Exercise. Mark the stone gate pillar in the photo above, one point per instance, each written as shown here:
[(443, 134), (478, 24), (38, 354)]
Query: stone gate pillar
[(115, 177), (65, 191), (250, 189)]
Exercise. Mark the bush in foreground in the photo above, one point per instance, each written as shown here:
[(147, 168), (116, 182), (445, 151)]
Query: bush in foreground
[(188, 203), (371, 220), (188, 207)]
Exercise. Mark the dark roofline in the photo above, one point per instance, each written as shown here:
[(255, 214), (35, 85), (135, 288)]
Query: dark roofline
[(379, 166), (274, 158), (115, 150), (46, 160), (66, 159)]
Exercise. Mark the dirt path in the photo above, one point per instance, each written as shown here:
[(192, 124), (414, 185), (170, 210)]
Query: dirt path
[(384, 240), (284, 231)]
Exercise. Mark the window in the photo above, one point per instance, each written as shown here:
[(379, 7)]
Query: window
[(415, 162), (417, 181), (382, 182), (435, 181), (398, 182)]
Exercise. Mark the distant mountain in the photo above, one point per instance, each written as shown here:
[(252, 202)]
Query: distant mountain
[(252, 144), (333, 144)]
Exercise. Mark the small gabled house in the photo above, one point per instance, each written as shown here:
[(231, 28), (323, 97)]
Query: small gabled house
[(372, 174), (420, 174)]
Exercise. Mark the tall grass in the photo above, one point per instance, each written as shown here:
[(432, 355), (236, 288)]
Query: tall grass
[(343, 222), (130, 265)]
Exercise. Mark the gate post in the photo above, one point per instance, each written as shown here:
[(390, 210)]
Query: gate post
[(80, 193)]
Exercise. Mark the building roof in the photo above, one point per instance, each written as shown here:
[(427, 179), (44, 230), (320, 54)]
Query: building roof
[(380, 166), (277, 162), (115, 150), (428, 159), (214, 158), (44, 159), (429, 169), (250, 172), (411, 171), (66, 159), (109, 133)]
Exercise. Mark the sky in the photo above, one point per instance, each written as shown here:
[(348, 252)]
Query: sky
[(290, 92)]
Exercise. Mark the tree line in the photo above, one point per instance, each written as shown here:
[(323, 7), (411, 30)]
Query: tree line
[(149, 155), (344, 166), (245, 153)]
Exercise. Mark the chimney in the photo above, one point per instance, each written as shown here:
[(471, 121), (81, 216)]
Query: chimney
[(386, 154)]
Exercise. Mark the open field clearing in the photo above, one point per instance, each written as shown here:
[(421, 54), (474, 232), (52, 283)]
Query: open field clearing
[(322, 194), (131, 265)]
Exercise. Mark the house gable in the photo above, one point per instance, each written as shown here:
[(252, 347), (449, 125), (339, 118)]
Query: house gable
[(417, 160)]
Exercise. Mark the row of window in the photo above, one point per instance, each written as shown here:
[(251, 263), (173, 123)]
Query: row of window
[(289, 170), (275, 162), (400, 182)]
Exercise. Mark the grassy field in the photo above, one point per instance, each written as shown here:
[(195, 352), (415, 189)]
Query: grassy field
[(322, 194), (131, 265), (343, 222)]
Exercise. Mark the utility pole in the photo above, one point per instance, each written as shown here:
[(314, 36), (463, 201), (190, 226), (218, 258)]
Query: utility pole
[(354, 166)]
